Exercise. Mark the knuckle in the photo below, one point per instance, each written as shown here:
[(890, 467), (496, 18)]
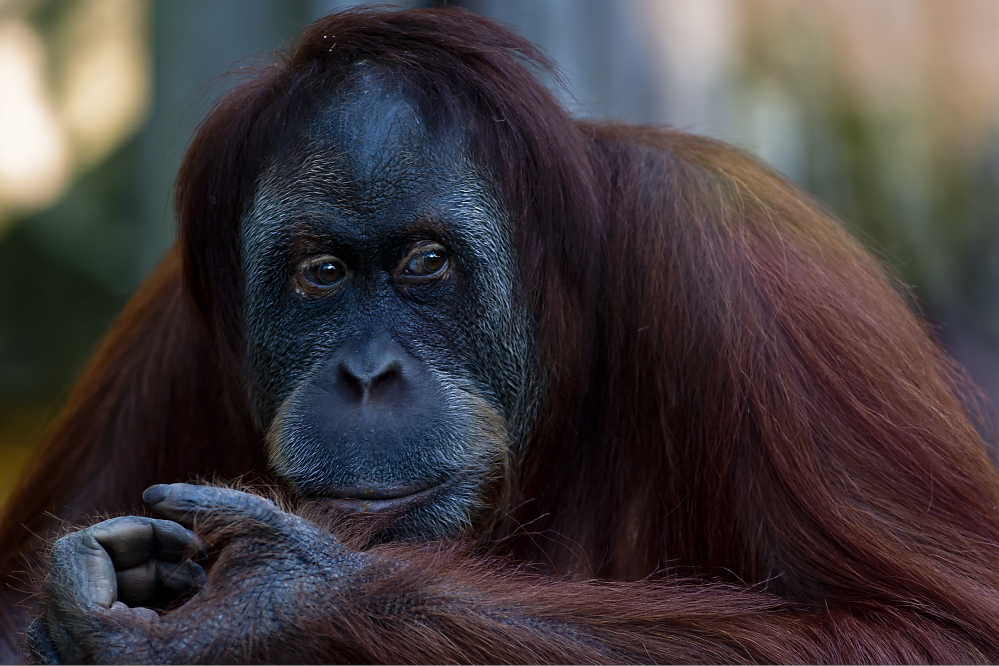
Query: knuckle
[(77, 543)]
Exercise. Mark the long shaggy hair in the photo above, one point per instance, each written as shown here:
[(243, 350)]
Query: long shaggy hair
[(736, 392)]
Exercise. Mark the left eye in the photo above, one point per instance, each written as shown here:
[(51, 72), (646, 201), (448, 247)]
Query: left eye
[(425, 262)]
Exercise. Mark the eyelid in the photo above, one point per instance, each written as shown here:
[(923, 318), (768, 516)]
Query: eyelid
[(306, 286), (423, 247)]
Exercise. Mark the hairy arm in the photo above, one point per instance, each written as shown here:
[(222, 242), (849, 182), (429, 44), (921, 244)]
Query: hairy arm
[(284, 590)]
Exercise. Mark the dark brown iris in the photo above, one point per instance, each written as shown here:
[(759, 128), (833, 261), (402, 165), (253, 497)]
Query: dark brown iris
[(320, 274)]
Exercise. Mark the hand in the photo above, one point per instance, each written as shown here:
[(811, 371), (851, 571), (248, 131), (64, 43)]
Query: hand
[(104, 580)]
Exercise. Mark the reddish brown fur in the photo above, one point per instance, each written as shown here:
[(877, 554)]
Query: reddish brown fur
[(740, 399)]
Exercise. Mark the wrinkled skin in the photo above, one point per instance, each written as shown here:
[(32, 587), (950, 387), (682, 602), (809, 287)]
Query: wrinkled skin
[(102, 578), (387, 348), (388, 383)]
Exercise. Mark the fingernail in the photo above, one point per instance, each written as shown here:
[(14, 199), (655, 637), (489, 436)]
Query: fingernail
[(156, 494), (198, 574)]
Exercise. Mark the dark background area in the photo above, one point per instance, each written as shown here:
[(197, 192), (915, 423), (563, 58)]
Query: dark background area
[(887, 110)]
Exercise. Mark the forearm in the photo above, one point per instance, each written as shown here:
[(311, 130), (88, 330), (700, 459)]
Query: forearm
[(447, 609), (454, 609)]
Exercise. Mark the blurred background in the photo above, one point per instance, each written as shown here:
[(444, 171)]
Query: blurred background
[(888, 110)]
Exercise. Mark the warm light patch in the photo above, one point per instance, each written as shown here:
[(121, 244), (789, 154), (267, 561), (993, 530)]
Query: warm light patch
[(33, 153), (105, 83), (65, 105)]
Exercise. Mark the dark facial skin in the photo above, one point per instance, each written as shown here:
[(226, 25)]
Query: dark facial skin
[(387, 345), (388, 353)]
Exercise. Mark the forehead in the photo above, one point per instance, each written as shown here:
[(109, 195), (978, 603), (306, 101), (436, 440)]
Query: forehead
[(369, 144), (366, 165)]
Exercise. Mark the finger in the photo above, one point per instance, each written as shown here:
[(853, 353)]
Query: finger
[(157, 583), (174, 542), (120, 610), (132, 540), (181, 578), (82, 573), (186, 503)]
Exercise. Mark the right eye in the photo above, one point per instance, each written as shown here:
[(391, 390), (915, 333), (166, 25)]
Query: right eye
[(317, 275)]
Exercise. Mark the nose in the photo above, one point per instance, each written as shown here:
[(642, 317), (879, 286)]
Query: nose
[(370, 369)]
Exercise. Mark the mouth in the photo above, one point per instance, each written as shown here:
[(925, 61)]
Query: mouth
[(364, 499)]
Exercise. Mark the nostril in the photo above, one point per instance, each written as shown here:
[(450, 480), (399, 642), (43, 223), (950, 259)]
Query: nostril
[(351, 381), (362, 382), (387, 378)]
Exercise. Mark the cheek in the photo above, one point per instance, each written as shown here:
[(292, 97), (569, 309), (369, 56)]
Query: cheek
[(284, 346), (273, 369), (499, 341)]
